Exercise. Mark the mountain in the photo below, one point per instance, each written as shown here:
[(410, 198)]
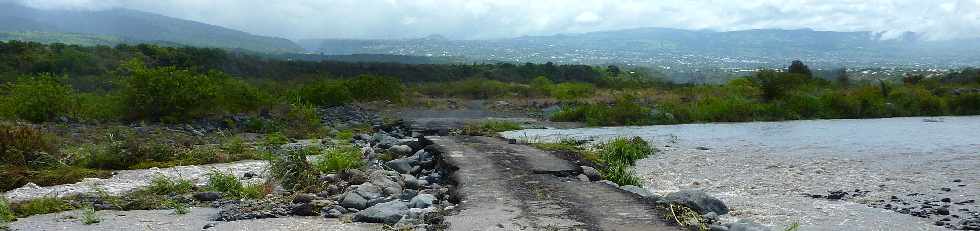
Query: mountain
[(126, 26), (685, 50)]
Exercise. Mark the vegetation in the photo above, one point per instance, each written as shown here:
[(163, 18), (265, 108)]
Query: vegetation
[(614, 159), (229, 186), (6, 213), (292, 170), (338, 159), (489, 127), (41, 206), (165, 186), (179, 207), (89, 216)]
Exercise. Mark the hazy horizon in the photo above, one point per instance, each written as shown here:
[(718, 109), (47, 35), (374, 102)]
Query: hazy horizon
[(485, 19)]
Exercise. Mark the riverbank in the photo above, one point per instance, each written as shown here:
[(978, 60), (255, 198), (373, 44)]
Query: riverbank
[(769, 171)]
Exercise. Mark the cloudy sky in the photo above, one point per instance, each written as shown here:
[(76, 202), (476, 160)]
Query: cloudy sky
[(481, 19)]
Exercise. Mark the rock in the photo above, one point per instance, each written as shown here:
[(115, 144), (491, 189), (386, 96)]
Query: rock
[(639, 191), (387, 185), (702, 148), (303, 198), (582, 177), (400, 150), (304, 210), (208, 226), (512, 141), (250, 175), (329, 178), (942, 211), (945, 189), (947, 200), (697, 200), (746, 225), (207, 196), (403, 165), (422, 201), (609, 183), (408, 194), (717, 228), (410, 181), (332, 213), (388, 213), (353, 200), (368, 191), (355, 176), (591, 172)]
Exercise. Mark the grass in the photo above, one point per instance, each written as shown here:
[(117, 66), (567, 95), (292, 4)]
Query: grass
[(614, 159), (621, 174), (684, 216), (43, 205), (6, 213), (293, 171), (162, 185), (624, 150), (489, 127), (89, 216), (229, 185), (179, 208), (338, 159)]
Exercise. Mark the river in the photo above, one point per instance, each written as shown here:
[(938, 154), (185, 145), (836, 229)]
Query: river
[(766, 171)]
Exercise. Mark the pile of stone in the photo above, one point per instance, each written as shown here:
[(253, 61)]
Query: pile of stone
[(404, 185)]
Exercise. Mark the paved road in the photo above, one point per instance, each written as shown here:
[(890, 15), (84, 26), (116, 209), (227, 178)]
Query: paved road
[(514, 187)]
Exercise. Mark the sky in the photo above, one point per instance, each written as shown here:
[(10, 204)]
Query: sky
[(488, 19)]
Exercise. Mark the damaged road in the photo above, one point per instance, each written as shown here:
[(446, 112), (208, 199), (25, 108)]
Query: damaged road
[(513, 187)]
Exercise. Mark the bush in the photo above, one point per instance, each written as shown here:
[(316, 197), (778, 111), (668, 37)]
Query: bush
[(338, 159), (225, 183), (572, 91), (237, 96), (89, 216), (98, 107), (302, 121), (37, 98), (965, 104), (27, 146), (624, 112), (372, 87), (293, 171), (326, 93), (41, 206), (623, 150), (775, 85), (541, 86), (169, 94), (165, 186)]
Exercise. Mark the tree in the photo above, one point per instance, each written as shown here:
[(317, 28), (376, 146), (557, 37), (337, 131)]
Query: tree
[(797, 67), (842, 78), (613, 70)]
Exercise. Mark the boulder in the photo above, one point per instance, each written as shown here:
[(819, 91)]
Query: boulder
[(639, 191), (303, 198), (697, 200), (387, 185), (353, 200), (408, 194), (410, 181), (400, 150), (422, 201), (305, 209), (404, 165), (355, 176), (368, 191), (592, 173), (207, 196), (388, 213)]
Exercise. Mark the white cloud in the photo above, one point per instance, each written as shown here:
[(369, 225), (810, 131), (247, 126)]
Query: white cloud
[(937, 19)]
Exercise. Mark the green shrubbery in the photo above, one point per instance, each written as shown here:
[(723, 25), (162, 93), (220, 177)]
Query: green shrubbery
[(338, 159), (292, 170), (229, 186), (6, 213), (41, 206), (625, 111), (326, 93), (474, 88), (489, 127), (165, 186), (37, 98)]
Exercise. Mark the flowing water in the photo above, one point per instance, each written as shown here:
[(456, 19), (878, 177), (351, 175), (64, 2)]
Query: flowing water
[(764, 170)]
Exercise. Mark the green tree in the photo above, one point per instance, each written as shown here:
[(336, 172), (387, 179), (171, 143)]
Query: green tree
[(37, 98), (797, 67), (541, 85)]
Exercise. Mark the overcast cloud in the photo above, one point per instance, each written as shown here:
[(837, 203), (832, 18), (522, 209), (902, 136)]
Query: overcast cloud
[(480, 19)]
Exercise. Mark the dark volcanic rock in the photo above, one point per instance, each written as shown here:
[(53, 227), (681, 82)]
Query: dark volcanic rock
[(388, 213), (697, 200), (207, 196)]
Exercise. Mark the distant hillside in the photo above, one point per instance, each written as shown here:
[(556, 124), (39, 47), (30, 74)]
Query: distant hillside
[(129, 26), (685, 50)]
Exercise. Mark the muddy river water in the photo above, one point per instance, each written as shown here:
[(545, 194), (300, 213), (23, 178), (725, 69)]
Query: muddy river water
[(768, 171)]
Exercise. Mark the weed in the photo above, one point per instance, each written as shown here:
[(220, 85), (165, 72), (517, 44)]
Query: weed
[(274, 140), (162, 185), (624, 150), (6, 213), (293, 171), (27, 146), (489, 127), (338, 159), (89, 216), (43, 205), (345, 135), (179, 208), (684, 216), (225, 183), (621, 174)]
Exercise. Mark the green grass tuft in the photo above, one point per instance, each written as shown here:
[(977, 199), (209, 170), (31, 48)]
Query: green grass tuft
[(339, 159), (165, 186), (89, 216), (41, 206), (179, 208), (624, 150), (621, 174), (6, 213), (489, 127)]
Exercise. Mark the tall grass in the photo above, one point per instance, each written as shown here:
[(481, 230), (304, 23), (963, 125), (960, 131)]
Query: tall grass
[(338, 159), (6, 213), (489, 127)]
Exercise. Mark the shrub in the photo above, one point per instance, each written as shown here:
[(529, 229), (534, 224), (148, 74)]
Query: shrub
[(623, 150), (27, 146), (572, 91), (965, 104), (225, 183), (161, 185), (43, 205), (293, 171), (169, 94), (302, 121), (372, 87), (720, 109), (625, 111), (489, 127), (236, 96), (274, 140), (338, 159), (775, 85), (326, 93), (916, 101), (98, 107), (179, 207), (37, 98), (541, 86)]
